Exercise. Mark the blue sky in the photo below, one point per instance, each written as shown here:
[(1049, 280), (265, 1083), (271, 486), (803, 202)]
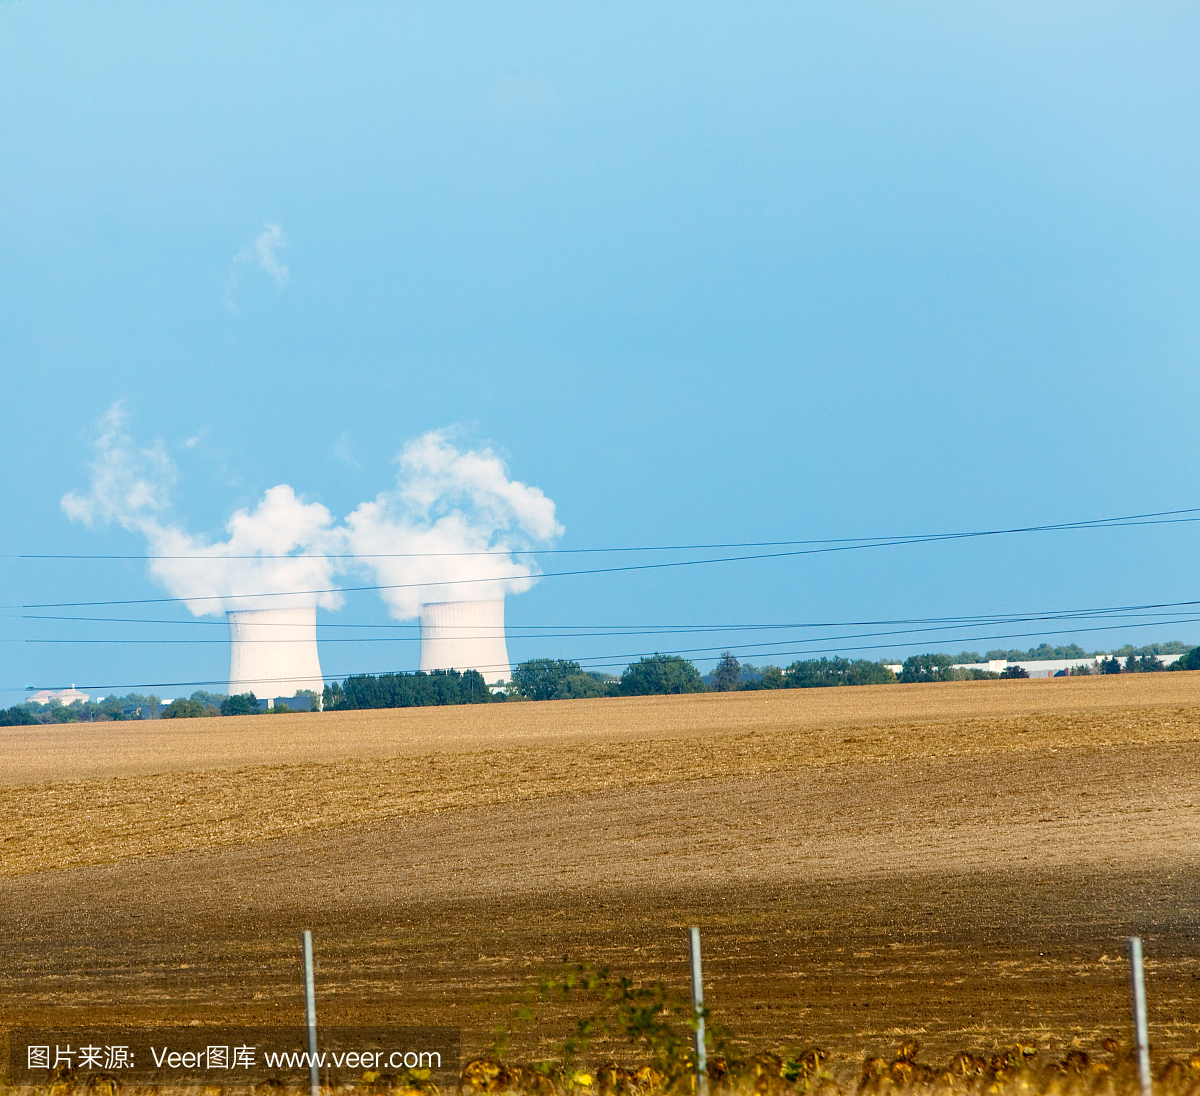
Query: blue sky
[(702, 273)]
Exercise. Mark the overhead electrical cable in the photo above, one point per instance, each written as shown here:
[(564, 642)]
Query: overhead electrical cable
[(753, 649), (1160, 517), (594, 662), (540, 631), (841, 547), (939, 628), (838, 650)]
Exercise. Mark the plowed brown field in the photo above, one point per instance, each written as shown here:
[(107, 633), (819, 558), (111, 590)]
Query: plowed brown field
[(961, 861)]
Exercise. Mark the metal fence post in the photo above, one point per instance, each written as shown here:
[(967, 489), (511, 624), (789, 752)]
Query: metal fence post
[(1141, 1028), (698, 1005), (310, 1011)]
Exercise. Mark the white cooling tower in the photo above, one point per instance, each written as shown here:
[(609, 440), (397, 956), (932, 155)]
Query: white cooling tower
[(465, 635), (273, 652)]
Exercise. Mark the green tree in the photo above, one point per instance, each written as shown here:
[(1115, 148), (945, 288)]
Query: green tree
[(1149, 663), (407, 690), (926, 668), (583, 686), (210, 701), (1040, 653), (113, 707), (655, 674), (1190, 661), (1014, 671), (816, 673), (773, 678), (543, 678), (1172, 647), (728, 673), (18, 716), (241, 704), (182, 709), (332, 698)]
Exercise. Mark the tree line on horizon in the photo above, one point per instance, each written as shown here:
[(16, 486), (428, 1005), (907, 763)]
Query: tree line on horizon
[(564, 679), (112, 709), (1044, 652)]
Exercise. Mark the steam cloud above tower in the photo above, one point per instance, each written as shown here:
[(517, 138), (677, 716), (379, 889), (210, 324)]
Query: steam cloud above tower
[(455, 519), (132, 487), (450, 527)]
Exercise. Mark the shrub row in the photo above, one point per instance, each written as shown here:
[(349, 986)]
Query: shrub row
[(405, 690)]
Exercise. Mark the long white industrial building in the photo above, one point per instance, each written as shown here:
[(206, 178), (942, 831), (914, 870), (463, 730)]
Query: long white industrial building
[(1037, 667)]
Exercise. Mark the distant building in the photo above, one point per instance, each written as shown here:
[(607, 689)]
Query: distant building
[(295, 703), (1036, 667), (1049, 667), (65, 697)]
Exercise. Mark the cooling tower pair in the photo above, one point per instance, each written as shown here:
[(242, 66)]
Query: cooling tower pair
[(273, 652)]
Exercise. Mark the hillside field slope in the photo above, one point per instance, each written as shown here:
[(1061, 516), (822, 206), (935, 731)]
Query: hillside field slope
[(960, 861)]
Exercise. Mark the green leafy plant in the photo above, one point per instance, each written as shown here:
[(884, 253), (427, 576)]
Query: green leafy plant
[(653, 1022)]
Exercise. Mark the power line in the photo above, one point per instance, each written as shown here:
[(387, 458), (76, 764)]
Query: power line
[(751, 648), (875, 541), (560, 631), (932, 538), (415, 639), (594, 662)]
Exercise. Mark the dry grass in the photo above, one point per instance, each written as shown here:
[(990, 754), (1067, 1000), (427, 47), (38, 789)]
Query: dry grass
[(958, 860), (368, 767), (1061, 708), (1020, 1070)]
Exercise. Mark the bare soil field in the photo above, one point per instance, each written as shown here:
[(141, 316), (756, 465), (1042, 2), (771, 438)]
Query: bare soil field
[(958, 861)]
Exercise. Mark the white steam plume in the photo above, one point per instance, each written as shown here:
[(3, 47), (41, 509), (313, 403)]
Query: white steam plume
[(448, 501), (447, 504), (269, 241), (279, 526), (131, 486)]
